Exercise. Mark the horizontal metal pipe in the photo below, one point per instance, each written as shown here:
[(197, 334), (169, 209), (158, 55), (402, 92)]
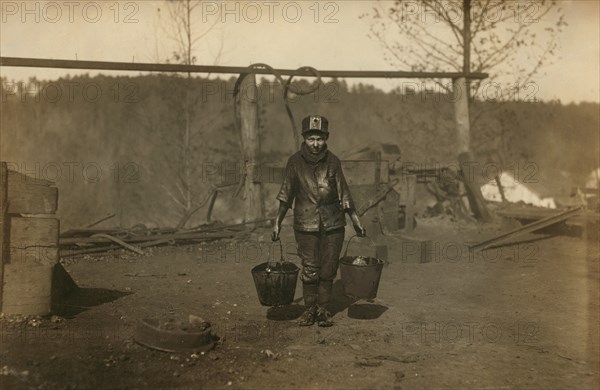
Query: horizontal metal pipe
[(149, 67)]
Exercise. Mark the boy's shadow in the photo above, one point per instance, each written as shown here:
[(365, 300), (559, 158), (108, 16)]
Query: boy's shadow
[(362, 311), (339, 301)]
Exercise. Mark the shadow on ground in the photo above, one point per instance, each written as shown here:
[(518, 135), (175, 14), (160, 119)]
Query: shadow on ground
[(82, 299), (365, 311), (339, 303)]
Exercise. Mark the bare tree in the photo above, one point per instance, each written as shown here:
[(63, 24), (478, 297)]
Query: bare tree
[(427, 35), (184, 28), (504, 40)]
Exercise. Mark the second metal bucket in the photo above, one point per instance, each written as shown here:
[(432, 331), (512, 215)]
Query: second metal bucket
[(275, 282), (360, 275)]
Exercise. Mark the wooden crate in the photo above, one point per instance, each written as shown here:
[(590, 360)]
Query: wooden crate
[(28, 195), (28, 272), (30, 244)]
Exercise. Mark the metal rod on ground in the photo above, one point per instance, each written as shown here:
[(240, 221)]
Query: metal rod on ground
[(75, 252), (542, 223), (176, 236)]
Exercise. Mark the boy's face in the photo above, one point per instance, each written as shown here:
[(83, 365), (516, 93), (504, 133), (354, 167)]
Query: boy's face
[(315, 143)]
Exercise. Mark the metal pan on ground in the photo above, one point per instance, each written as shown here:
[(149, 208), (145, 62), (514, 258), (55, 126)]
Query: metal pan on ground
[(152, 334)]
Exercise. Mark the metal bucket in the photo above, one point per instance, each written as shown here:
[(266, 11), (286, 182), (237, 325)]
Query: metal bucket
[(360, 280), (275, 283)]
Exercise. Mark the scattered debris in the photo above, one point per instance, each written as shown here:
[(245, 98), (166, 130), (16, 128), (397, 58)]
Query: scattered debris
[(368, 363), (7, 371), (399, 375), (198, 322), (75, 242), (270, 354), (120, 242), (137, 275), (406, 359)]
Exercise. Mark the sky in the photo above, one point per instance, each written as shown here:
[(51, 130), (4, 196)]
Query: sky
[(283, 34)]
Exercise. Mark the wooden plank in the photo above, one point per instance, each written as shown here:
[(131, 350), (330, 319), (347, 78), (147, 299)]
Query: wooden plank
[(4, 224), (36, 255), (542, 223), (33, 232), (533, 213), (28, 274), (17, 177), (28, 285), (28, 195)]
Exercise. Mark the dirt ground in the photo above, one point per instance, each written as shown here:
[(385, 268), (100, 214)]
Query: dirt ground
[(523, 316)]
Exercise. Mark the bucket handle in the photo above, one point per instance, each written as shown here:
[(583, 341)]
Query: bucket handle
[(347, 245), (281, 260)]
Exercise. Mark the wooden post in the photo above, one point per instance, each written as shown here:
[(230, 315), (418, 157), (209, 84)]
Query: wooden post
[(409, 209), (4, 224), (250, 146), (471, 175), (461, 86), (461, 114), (463, 127)]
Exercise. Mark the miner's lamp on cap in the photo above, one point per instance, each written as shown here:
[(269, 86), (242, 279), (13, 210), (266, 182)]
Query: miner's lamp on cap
[(315, 123)]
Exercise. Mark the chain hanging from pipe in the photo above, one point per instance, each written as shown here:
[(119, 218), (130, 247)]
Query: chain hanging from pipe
[(286, 90)]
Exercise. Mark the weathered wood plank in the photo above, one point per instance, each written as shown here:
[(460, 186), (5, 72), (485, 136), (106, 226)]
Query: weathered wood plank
[(33, 232), (30, 196), (17, 177), (28, 276), (537, 225), (27, 287)]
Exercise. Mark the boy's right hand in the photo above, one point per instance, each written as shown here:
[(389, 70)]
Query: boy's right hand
[(275, 233)]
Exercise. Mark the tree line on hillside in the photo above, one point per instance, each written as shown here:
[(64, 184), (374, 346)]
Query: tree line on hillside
[(134, 130)]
